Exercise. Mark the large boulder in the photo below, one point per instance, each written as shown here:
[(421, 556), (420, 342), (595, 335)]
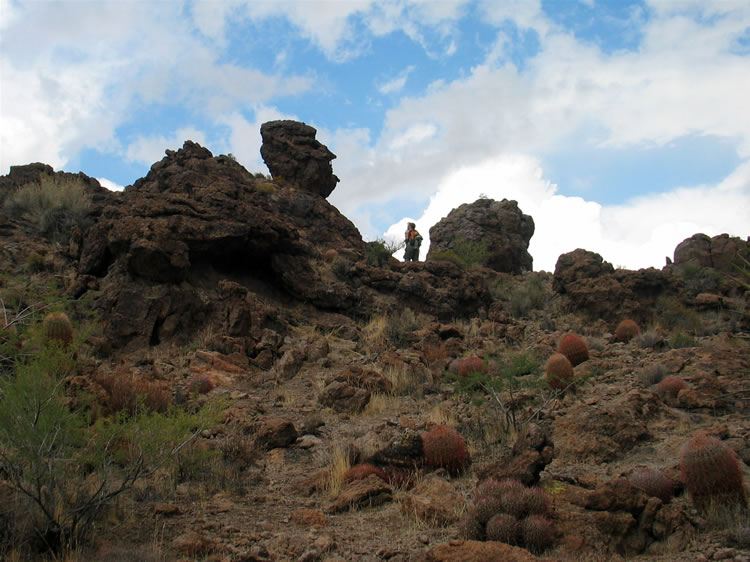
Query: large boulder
[(718, 252), (591, 285), (496, 232), (292, 154)]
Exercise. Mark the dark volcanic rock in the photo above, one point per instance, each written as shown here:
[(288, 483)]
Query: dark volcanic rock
[(591, 285), (498, 228), (291, 153), (719, 252)]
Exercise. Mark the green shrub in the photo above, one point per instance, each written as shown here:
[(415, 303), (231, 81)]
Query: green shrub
[(53, 205), (472, 252), (698, 279), (449, 255), (681, 339), (528, 296), (64, 471), (379, 252), (673, 315)]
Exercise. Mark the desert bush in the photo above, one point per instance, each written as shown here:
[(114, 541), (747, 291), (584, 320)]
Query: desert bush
[(389, 330), (652, 374), (711, 472), (698, 279), (528, 296), (448, 255), (53, 205), (64, 470), (648, 339), (674, 316), (379, 252), (681, 339), (342, 267), (471, 252), (126, 392), (35, 263)]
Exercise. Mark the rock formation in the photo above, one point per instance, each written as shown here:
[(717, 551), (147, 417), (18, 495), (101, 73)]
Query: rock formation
[(718, 252), (294, 156), (497, 231)]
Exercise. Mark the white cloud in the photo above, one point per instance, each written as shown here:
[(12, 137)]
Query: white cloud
[(637, 234), (397, 83), (109, 184), (151, 149)]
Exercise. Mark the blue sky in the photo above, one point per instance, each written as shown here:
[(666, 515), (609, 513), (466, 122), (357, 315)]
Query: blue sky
[(620, 127)]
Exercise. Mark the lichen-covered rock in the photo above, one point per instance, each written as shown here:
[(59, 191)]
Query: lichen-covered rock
[(497, 233), (293, 155)]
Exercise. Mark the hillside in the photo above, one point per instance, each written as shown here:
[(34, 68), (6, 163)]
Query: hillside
[(278, 350)]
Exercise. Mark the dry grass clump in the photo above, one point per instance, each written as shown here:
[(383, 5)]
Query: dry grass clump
[(124, 391), (338, 464), (652, 374)]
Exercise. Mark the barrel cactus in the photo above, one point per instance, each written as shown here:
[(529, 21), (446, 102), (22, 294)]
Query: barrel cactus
[(558, 371), (362, 471), (443, 447), (626, 330), (670, 387), (711, 472), (654, 482), (574, 348), (58, 327)]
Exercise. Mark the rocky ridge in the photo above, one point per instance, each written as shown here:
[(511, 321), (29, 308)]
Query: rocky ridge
[(203, 269)]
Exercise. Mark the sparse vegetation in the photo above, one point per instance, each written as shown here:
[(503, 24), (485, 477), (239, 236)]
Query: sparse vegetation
[(527, 297), (53, 205)]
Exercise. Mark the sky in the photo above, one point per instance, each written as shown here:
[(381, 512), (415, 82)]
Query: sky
[(621, 127)]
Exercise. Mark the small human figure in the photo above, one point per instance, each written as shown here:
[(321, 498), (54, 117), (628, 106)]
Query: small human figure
[(412, 241)]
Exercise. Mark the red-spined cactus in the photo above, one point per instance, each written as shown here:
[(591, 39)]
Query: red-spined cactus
[(362, 471), (465, 365), (537, 533), (626, 330), (330, 255), (201, 384), (574, 348), (711, 472), (57, 327), (558, 371), (503, 527), (670, 387), (537, 502), (443, 447), (654, 482)]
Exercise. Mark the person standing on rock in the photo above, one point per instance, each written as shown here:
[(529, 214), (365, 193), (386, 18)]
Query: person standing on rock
[(412, 241)]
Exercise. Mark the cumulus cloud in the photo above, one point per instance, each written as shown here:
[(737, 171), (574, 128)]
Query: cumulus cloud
[(150, 149), (109, 184), (639, 233), (397, 83)]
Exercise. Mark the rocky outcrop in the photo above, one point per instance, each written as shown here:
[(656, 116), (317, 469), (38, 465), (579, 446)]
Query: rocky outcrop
[(718, 252), (497, 233), (200, 242), (591, 285), (294, 156)]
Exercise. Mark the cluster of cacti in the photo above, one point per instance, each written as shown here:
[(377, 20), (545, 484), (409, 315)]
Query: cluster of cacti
[(670, 387), (362, 471), (509, 512), (654, 482), (443, 447), (201, 384), (626, 331), (58, 327), (711, 472), (558, 371), (465, 365), (574, 348)]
